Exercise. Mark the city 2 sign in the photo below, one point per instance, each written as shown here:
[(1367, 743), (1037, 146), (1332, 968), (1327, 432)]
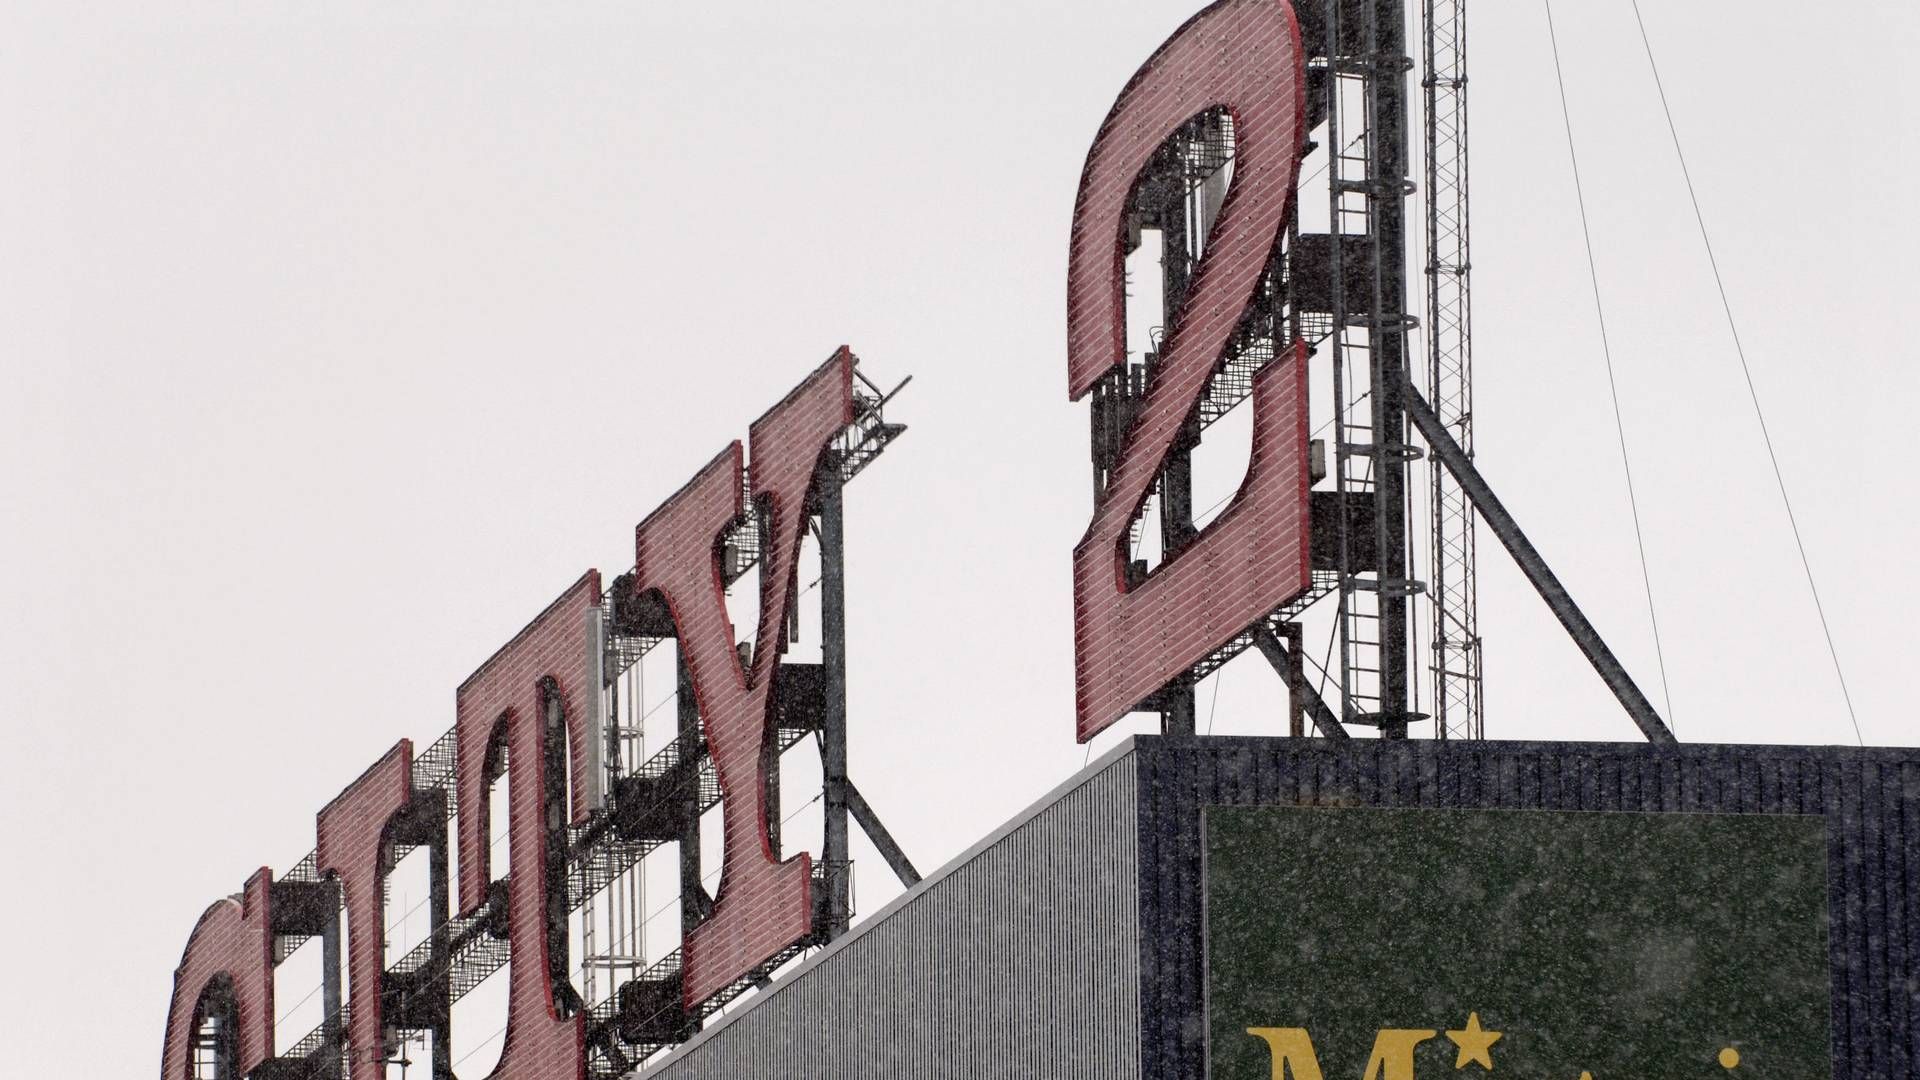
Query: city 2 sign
[(527, 706)]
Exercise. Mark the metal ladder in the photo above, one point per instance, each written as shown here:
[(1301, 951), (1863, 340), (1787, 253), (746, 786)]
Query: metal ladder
[(1349, 213)]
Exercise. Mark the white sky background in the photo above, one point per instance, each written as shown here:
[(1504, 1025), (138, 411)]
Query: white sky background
[(338, 340)]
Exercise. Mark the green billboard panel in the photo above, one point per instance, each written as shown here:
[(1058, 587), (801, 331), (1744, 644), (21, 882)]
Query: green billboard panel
[(1346, 943)]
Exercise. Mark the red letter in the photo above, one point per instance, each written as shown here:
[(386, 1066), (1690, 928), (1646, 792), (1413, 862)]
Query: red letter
[(1244, 55), (233, 939), (506, 699), (352, 832), (763, 906)]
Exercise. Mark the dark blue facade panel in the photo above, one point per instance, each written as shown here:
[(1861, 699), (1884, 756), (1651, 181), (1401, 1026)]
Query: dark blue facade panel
[(1868, 799)]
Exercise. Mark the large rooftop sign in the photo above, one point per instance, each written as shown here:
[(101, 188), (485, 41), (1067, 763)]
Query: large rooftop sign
[(1132, 636), (526, 713), (1223, 908)]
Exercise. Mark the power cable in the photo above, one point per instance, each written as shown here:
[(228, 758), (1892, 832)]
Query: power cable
[(482, 1045), (295, 1007), (1746, 371), (1606, 351)]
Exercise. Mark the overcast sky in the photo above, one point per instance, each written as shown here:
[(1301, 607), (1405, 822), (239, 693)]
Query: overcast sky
[(338, 339)]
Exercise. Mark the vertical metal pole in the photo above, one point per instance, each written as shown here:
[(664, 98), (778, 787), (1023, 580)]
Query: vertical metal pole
[(691, 750), (1178, 713), (833, 663), (439, 900), (1176, 477), (330, 983), (770, 797), (554, 801), (1387, 65), (1296, 680), (1332, 18)]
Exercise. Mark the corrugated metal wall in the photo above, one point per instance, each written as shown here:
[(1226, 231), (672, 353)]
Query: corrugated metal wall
[(1870, 800), (1020, 960)]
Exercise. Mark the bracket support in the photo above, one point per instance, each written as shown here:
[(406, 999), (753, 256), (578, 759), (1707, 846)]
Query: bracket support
[(1611, 671)]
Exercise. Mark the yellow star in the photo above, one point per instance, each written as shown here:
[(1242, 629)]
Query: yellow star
[(1473, 1044)]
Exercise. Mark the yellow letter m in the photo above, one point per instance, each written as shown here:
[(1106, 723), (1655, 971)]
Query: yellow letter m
[(1292, 1049)]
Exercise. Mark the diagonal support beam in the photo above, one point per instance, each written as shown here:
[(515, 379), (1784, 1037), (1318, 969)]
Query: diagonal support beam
[(1530, 563), (1275, 651), (882, 839)]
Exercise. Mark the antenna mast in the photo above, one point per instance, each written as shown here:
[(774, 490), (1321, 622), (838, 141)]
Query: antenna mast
[(1454, 594)]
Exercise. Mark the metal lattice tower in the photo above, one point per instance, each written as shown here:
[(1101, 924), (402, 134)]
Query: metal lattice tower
[(1456, 623)]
